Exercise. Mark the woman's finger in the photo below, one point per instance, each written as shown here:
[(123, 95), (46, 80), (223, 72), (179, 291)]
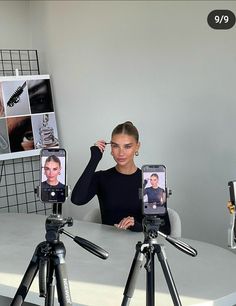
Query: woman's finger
[(126, 223)]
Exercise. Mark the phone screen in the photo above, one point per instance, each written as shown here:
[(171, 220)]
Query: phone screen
[(53, 175), (154, 190)]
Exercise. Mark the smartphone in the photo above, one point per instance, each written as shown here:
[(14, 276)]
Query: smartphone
[(154, 190), (53, 175)]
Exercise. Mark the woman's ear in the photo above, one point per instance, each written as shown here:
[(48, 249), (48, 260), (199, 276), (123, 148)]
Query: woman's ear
[(138, 145), (137, 149)]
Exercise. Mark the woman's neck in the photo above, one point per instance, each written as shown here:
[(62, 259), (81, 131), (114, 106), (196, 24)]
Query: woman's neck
[(54, 183), (128, 169)]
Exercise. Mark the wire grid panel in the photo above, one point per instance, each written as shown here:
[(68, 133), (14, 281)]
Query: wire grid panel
[(23, 61), (20, 179)]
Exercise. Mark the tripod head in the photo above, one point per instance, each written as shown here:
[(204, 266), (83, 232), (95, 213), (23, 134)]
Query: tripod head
[(55, 226), (55, 223), (148, 249), (151, 225)]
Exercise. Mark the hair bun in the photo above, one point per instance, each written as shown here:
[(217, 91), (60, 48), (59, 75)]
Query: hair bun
[(128, 123)]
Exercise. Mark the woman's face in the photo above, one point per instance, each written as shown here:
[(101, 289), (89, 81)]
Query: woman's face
[(123, 148), (52, 170), (154, 181)]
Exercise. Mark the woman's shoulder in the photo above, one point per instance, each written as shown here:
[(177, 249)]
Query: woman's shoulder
[(60, 185), (44, 184), (139, 171), (110, 171)]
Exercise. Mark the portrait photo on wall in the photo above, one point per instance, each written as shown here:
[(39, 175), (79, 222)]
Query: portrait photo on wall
[(27, 117)]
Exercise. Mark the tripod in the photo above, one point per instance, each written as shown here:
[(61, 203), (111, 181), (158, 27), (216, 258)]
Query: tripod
[(149, 248), (49, 260)]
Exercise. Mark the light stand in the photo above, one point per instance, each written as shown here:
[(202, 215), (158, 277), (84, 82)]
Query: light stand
[(49, 260), (231, 208), (148, 249)]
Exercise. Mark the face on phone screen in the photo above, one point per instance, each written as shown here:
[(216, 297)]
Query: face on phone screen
[(53, 175), (154, 189)]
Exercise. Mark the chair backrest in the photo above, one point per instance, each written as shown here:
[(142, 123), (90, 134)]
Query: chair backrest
[(175, 223), (94, 215)]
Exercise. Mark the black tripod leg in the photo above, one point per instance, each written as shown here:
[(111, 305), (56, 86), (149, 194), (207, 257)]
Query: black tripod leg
[(150, 281), (133, 274), (168, 276), (26, 281), (63, 289), (50, 286)]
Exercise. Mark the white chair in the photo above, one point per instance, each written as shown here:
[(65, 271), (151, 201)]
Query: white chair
[(94, 216), (175, 223)]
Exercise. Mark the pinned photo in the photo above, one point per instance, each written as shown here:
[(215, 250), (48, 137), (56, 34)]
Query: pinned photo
[(20, 133), (15, 97), (40, 96), (45, 131)]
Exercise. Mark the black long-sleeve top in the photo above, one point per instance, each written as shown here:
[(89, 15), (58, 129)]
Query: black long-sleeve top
[(118, 193)]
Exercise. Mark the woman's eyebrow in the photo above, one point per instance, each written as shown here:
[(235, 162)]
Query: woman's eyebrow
[(126, 144)]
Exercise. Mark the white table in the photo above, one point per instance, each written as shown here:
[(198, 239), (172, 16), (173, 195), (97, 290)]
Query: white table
[(206, 280)]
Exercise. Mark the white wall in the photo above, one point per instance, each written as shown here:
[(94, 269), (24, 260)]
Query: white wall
[(14, 25), (158, 64)]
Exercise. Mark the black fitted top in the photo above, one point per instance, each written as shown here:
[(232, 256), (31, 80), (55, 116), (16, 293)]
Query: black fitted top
[(118, 193)]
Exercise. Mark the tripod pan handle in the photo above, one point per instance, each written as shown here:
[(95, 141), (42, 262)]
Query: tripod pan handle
[(91, 247), (182, 246)]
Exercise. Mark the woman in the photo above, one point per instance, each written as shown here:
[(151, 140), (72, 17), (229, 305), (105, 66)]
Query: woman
[(118, 187), (154, 193), (52, 169)]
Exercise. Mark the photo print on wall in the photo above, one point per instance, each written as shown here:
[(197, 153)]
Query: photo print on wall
[(27, 116)]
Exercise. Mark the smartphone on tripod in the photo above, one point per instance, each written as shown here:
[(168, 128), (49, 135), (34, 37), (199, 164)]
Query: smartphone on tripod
[(154, 190), (53, 175)]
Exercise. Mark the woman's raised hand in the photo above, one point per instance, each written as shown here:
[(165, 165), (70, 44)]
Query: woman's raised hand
[(101, 144)]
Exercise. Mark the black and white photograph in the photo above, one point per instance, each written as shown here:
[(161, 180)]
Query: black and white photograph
[(40, 96), (4, 141), (2, 111), (26, 104), (45, 130), (20, 133), (16, 99)]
